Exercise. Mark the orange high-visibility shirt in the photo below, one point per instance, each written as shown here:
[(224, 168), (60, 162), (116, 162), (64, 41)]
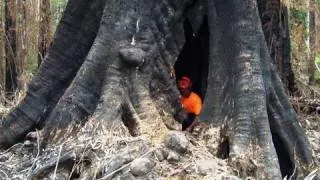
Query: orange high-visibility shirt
[(192, 104)]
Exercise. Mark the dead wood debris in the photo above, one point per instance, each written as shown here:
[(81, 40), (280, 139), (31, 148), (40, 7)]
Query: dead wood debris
[(108, 155)]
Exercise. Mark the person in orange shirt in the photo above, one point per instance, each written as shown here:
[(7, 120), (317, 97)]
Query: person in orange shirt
[(190, 101)]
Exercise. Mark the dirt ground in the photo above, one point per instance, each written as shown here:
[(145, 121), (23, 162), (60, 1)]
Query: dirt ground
[(309, 116)]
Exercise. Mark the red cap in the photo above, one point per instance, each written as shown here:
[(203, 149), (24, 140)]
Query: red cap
[(184, 82)]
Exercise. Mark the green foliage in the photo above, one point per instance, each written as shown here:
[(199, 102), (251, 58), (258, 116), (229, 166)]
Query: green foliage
[(57, 8), (318, 59), (31, 64), (298, 16), (317, 75)]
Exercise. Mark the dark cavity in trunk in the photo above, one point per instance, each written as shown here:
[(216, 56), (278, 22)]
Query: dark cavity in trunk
[(193, 59), (224, 149), (286, 164)]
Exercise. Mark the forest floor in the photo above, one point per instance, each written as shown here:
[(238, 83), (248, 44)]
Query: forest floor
[(96, 155), (309, 117)]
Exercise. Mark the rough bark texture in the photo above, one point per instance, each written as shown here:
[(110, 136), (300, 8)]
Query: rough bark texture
[(21, 43), (72, 42), (316, 31), (251, 100), (2, 51), (275, 25), (44, 29), (123, 74), (312, 43), (10, 47)]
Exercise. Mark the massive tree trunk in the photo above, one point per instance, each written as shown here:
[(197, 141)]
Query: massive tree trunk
[(117, 67)]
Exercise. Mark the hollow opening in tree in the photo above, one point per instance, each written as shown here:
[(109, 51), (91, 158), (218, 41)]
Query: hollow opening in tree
[(193, 58), (286, 164)]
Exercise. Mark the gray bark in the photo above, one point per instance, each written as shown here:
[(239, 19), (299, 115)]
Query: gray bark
[(123, 74), (72, 42), (274, 20)]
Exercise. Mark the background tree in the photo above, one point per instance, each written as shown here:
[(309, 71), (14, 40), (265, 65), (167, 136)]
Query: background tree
[(2, 51), (310, 41), (45, 29), (113, 63), (317, 29), (21, 43), (10, 46), (27, 28), (302, 25), (274, 18)]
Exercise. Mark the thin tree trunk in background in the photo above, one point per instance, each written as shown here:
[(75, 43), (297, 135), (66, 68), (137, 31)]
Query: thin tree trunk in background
[(32, 34), (2, 53), (44, 29), (21, 43), (286, 47), (10, 47), (311, 42), (317, 30)]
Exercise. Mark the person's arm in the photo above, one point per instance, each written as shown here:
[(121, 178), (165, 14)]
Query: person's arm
[(194, 122), (188, 121)]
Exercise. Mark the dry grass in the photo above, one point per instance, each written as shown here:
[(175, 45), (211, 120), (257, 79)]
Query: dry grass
[(93, 146)]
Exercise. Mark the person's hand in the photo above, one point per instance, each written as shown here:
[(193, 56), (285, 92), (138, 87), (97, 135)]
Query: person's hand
[(190, 128), (180, 114)]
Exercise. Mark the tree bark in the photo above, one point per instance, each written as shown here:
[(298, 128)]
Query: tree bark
[(251, 97), (274, 19), (2, 50), (316, 32), (123, 75), (10, 47), (44, 29), (311, 43), (64, 58), (21, 43)]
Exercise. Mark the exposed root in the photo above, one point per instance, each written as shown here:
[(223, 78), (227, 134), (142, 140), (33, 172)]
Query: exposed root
[(146, 110), (250, 164), (131, 119)]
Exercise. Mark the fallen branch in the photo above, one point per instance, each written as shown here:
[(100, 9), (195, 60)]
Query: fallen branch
[(311, 175), (67, 158), (6, 175), (38, 153), (55, 169)]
